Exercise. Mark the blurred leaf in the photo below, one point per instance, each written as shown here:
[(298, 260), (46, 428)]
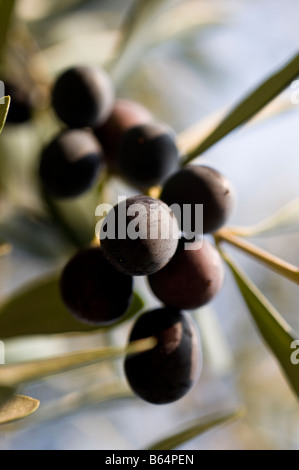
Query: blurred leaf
[(198, 427), (6, 11), (67, 213), (5, 394), (32, 371), (285, 220), (136, 35), (188, 138), (4, 107), (34, 234), (275, 331), (185, 19), (247, 108), (17, 408), (100, 394), (38, 309)]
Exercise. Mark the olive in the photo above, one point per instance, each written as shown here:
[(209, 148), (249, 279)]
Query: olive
[(166, 372), (139, 235), (94, 291), (200, 184), (192, 278), (83, 96), (70, 163), (125, 115), (148, 154)]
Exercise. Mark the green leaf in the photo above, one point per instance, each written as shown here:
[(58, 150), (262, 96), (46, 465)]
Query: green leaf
[(285, 220), (5, 394), (33, 234), (4, 107), (99, 394), (66, 215), (18, 407), (247, 108), (17, 374), (38, 309), (6, 11), (136, 35), (197, 428), (275, 331)]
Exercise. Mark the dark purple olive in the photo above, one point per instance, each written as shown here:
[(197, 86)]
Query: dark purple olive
[(139, 235), (191, 279), (148, 154), (200, 184), (95, 292), (83, 96), (20, 109), (70, 164), (167, 372), (125, 115)]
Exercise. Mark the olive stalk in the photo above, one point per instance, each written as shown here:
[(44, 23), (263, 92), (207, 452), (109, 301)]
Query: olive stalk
[(275, 263)]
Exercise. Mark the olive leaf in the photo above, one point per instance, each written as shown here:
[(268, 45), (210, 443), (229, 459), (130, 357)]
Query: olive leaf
[(285, 220), (4, 107), (37, 309), (18, 407), (247, 108), (16, 374), (275, 331), (135, 36), (99, 394), (197, 427)]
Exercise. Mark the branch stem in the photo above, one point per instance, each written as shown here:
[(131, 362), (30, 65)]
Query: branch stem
[(275, 263)]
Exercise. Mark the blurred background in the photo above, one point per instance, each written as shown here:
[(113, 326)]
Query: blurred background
[(191, 60)]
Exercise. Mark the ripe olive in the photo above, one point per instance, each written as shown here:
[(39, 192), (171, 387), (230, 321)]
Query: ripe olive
[(83, 96), (139, 235), (167, 372), (125, 115), (148, 154), (94, 291), (70, 164), (191, 279), (200, 184), (20, 109)]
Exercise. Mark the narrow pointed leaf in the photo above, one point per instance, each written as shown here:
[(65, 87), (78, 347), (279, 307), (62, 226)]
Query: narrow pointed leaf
[(16, 374), (247, 108), (285, 220), (38, 309), (197, 428), (275, 331), (18, 407), (135, 37), (98, 395), (4, 107)]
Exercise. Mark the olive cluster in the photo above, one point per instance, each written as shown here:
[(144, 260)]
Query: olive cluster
[(97, 283)]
